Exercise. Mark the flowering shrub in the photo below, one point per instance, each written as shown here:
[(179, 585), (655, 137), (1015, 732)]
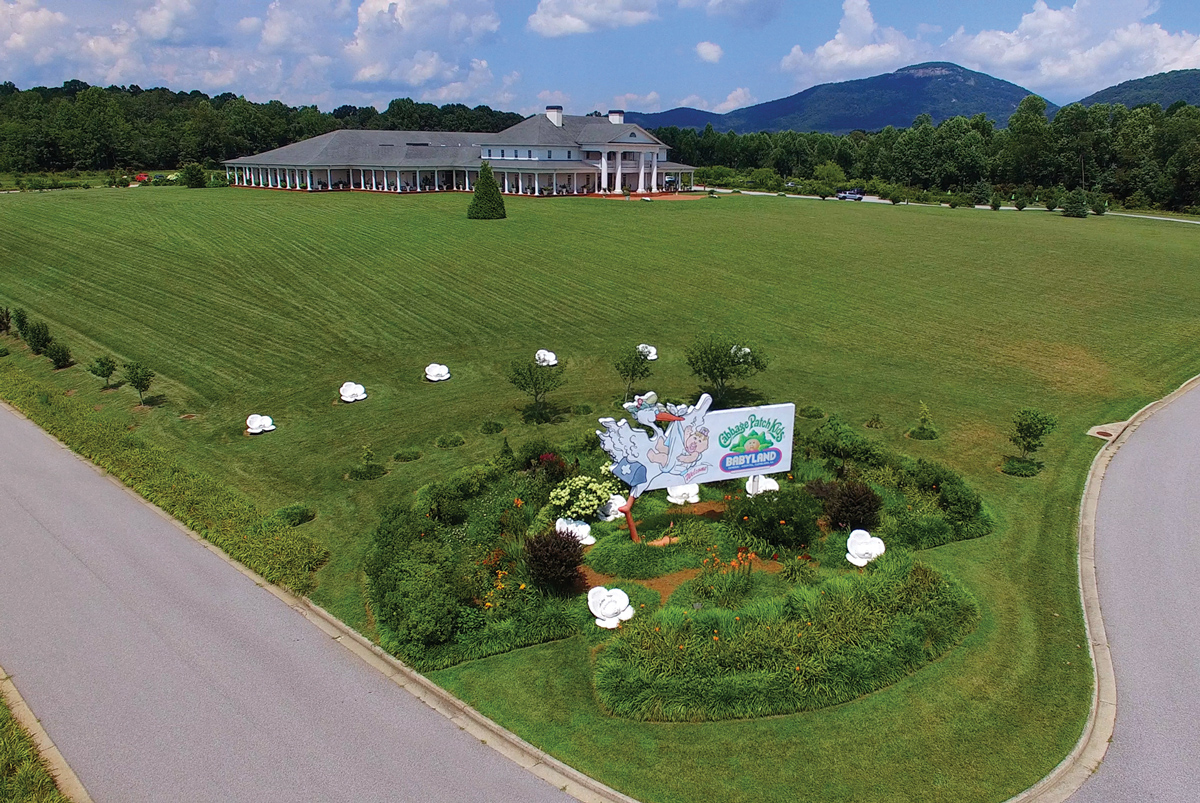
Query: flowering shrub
[(580, 497), (786, 517), (725, 582)]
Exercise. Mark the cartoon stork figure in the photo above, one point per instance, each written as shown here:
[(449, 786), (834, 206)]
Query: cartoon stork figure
[(640, 458)]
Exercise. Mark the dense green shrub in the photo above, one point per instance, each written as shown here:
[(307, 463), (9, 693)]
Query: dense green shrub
[(1050, 197), (982, 193), (553, 559), (37, 336), (450, 440), (916, 530), (1020, 466), (59, 355), (218, 513), (487, 203), (192, 175), (296, 514), (962, 504), (491, 427), (996, 201), (1075, 204), (581, 496), (367, 471), (810, 411), (20, 320), (817, 647), (849, 505), (5, 320), (416, 605), (1020, 202), (841, 445), (407, 455), (1098, 203), (4, 352), (785, 518)]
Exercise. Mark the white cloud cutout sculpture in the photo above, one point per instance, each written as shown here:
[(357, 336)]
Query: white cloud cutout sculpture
[(565, 17), (760, 484), (610, 606), (258, 424), (545, 358), (862, 548), (436, 372), (608, 511), (581, 530), (649, 351), (683, 494), (709, 51), (352, 392)]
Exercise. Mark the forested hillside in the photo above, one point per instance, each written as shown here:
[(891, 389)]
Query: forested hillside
[(1144, 157), (1165, 89), (77, 126)]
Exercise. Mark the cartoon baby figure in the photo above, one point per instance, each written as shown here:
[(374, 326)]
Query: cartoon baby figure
[(695, 441)]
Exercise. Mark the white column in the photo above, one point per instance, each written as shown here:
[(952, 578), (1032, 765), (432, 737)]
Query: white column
[(310, 179), (418, 173), (520, 182), (506, 189), (641, 172), (654, 171), (554, 186), (603, 185), (467, 179), (329, 178), (620, 185)]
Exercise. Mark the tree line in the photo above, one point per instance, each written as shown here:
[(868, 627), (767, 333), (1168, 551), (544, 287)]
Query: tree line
[(1143, 157), (82, 127)]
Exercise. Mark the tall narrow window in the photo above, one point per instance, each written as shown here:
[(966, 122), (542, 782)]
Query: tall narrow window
[(569, 155), (489, 153), (549, 154), (529, 154), (501, 153)]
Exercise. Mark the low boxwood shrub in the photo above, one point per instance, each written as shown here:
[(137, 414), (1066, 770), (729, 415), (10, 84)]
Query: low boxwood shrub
[(1021, 466), (449, 441), (491, 427), (218, 513), (296, 514), (367, 471), (407, 455)]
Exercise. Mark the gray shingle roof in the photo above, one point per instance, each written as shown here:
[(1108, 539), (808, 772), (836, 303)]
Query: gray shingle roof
[(375, 149)]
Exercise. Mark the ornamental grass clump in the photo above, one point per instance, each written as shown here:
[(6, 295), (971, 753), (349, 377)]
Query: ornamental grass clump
[(552, 559), (815, 647), (725, 583)]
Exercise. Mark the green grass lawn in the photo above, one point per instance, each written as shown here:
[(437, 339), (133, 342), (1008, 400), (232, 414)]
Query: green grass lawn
[(248, 302), (24, 777)]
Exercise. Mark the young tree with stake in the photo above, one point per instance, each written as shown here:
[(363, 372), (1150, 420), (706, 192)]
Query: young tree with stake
[(632, 366), (139, 378)]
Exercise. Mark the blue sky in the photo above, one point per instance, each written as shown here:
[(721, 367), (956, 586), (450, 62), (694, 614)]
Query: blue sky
[(643, 55)]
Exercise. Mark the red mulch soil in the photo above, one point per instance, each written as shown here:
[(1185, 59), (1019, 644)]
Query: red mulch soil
[(664, 585)]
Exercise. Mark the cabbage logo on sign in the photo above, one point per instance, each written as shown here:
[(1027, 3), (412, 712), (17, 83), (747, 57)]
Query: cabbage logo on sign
[(751, 445)]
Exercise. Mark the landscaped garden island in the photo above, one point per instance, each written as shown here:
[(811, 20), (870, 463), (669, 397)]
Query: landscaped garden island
[(953, 667)]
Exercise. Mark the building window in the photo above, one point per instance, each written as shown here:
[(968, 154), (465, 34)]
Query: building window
[(501, 153), (569, 155), (549, 154), (528, 154), (489, 153), (632, 135)]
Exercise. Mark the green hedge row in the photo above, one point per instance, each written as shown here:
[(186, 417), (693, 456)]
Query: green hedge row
[(815, 647), (266, 544)]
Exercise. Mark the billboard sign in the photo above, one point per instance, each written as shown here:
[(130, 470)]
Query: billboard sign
[(669, 445)]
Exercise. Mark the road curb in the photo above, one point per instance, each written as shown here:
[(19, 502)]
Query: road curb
[(1084, 759), (66, 779)]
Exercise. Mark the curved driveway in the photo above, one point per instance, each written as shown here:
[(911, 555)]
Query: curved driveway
[(1148, 574), (163, 673)]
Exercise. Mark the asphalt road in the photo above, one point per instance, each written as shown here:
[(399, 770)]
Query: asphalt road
[(1148, 574), (163, 673)]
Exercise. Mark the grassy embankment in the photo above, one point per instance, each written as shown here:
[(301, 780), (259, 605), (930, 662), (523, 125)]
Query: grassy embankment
[(265, 302)]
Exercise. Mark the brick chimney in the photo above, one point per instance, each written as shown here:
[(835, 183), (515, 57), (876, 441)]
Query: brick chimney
[(616, 116), (555, 115)]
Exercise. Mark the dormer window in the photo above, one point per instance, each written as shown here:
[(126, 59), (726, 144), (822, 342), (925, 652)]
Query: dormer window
[(489, 153), (529, 154), (501, 153), (549, 154), (633, 135)]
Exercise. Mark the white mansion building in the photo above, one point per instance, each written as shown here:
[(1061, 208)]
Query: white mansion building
[(547, 154)]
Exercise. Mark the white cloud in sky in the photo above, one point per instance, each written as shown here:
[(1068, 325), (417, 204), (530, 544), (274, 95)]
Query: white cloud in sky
[(563, 17), (861, 47), (744, 12), (1076, 48), (632, 101), (735, 100), (709, 51), (28, 31), (249, 25)]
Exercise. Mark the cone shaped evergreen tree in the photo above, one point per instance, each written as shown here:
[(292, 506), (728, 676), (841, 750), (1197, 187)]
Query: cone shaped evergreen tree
[(488, 203)]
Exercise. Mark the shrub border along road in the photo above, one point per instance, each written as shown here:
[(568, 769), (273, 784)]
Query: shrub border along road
[(65, 778), (1079, 765)]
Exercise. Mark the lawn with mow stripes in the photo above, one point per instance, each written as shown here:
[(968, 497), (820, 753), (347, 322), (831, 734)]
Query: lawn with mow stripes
[(247, 301)]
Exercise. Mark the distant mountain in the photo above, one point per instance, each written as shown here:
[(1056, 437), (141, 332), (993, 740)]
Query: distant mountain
[(939, 89), (1164, 89)]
